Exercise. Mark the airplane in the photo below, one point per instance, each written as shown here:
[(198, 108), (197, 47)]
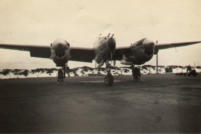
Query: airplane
[(104, 51)]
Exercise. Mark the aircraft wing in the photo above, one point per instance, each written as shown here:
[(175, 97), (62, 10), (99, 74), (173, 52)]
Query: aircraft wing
[(119, 52), (82, 54), (85, 54), (35, 51), (171, 45), (77, 54)]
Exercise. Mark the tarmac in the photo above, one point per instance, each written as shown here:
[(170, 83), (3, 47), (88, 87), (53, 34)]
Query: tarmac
[(156, 103)]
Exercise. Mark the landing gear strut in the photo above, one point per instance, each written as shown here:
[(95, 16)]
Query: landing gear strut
[(136, 73), (62, 73), (109, 79)]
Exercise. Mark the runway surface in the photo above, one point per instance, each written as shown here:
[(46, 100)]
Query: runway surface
[(157, 103)]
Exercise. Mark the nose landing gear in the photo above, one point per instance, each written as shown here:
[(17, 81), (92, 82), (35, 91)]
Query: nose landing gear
[(62, 73), (136, 73), (109, 79)]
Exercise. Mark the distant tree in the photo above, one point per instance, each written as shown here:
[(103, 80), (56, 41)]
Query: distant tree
[(5, 72), (198, 67), (75, 72), (126, 70), (25, 73), (49, 71)]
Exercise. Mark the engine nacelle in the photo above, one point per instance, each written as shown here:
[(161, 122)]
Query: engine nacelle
[(60, 52), (140, 52), (104, 49)]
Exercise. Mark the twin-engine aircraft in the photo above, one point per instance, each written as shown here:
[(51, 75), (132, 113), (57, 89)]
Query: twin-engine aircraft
[(104, 51)]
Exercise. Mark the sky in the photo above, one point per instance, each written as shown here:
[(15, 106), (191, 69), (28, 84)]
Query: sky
[(40, 22)]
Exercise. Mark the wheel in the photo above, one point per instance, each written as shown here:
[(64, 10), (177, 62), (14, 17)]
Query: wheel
[(136, 73), (108, 80), (60, 75), (192, 73)]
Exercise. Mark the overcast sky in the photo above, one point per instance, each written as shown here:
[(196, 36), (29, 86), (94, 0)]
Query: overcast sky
[(81, 21)]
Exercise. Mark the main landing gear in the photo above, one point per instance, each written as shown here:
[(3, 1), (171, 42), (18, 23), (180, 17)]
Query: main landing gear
[(109, 79), (136, 73), (61, 74)]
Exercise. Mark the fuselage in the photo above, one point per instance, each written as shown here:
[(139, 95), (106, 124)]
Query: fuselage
[(104, 49)]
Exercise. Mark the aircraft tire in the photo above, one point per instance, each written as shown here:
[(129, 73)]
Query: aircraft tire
[(60, 77), (136, 74), (108, 80)]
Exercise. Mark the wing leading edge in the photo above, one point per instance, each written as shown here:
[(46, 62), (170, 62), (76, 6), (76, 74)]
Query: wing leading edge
[(82, 54), (35, 51), (119, 52), (77, 54), (85, 54), (172, 45)]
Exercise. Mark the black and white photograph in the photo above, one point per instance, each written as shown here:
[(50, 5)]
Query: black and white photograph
[(100, 66)]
